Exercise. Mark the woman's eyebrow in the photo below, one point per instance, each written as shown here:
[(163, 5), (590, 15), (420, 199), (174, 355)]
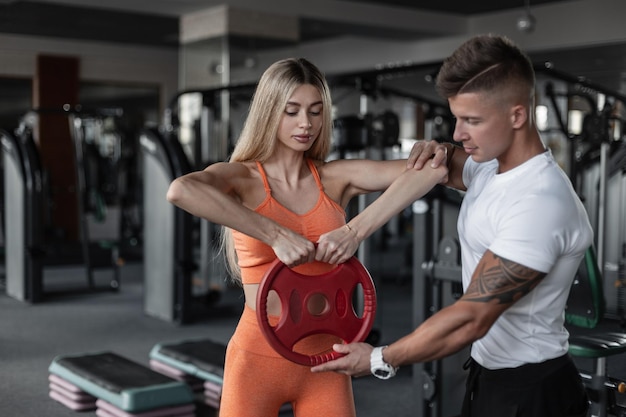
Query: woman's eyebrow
[(295, 103)]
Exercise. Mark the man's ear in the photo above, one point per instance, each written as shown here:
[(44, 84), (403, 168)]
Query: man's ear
[(519, 116)]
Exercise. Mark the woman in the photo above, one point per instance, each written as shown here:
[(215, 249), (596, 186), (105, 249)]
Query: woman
[(278, 198)]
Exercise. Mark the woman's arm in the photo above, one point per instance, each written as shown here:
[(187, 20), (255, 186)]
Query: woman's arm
[(345, 179), (433, 153), (215, 193), (339, 245)]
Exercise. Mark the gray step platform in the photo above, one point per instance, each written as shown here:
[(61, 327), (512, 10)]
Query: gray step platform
[(202, 358), (125, 384)]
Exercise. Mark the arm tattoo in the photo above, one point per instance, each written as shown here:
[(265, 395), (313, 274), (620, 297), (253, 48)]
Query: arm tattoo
[(506, 282)]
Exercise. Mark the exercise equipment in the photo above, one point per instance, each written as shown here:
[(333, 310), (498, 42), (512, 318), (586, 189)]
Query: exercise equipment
[(437, 283), (199, 121), (297, 291), (23, 222), (35, 242), (126, 386), (86, 130), (181, 258), (199, 363), (352, 133), (70, 395), (203, 359), (596, 164), (595, 337), (167, 231)]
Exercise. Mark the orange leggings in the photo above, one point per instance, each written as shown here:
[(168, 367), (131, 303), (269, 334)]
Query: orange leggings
[(258, 381)]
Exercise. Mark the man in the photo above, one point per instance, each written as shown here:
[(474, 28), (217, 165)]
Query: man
[(523, 233)]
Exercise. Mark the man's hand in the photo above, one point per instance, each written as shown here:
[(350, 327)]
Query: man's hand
[(356, 361), (424, 150)]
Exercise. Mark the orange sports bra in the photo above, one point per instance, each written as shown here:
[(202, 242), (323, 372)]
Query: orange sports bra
[(255, 256)]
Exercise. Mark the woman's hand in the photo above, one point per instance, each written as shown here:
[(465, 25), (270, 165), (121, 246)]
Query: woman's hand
[(337, 246), (293, 249)]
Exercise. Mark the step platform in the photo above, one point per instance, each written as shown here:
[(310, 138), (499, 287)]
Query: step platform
[(202, 359), (70, 395), (195, 383), (117, 386), (199, 361)]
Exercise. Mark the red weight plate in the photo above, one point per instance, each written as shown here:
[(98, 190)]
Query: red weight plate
[(296, 322)]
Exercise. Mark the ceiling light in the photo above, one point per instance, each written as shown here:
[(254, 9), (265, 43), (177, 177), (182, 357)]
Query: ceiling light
[(526, 22)]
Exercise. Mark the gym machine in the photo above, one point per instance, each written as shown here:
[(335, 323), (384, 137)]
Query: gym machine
[(32, 245), (439, 385), (23, 223), (168, 261), (595, 155), (182, 268)]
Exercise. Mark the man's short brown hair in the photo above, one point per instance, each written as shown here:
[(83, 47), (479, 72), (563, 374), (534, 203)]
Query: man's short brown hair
[(485, 63)]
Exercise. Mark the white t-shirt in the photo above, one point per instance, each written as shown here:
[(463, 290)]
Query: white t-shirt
[(532, 216)]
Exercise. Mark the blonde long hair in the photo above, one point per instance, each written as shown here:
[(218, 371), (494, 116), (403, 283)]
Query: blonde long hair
[(258, 137)]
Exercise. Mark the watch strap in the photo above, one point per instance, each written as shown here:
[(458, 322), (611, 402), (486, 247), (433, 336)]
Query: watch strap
[(378, 366)]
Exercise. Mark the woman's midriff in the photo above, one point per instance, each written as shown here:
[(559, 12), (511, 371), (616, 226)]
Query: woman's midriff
[(311, 345), (250, 292)]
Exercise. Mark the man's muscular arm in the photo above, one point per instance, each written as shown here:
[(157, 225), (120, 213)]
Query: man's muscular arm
[(501, 280), (496, 285)]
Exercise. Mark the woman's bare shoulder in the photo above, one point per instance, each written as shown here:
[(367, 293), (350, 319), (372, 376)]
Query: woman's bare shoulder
[(234, 170), (246, 182)]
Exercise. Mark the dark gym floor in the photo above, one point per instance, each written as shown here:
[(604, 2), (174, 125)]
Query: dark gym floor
[(81, 322)]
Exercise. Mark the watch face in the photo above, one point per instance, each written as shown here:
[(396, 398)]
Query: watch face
[(382, 372)]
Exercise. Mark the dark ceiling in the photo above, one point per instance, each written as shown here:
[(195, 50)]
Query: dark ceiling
[(112, 24), (63, 19)]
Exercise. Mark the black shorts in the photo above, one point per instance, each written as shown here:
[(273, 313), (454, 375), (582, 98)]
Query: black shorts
[(549, 389)]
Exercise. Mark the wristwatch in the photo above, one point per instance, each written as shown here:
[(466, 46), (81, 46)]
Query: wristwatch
[(378, 366)]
